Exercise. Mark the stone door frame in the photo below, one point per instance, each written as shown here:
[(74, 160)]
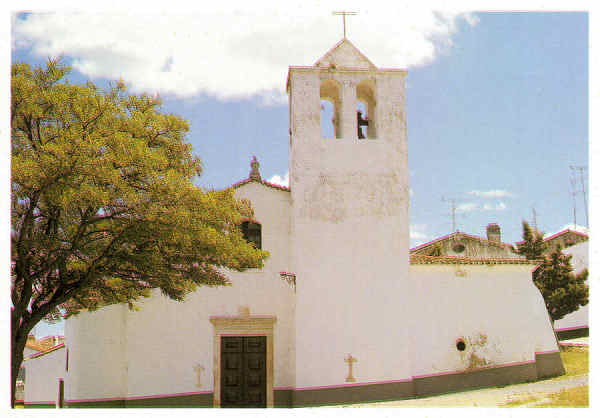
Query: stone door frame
[(242, 326)]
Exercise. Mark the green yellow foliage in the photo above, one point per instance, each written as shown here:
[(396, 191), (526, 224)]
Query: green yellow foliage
[(103, 205), (563, 291), (532, 246)]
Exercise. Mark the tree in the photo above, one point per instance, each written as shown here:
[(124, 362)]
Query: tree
[(103, 205), (532, 246), (563, 291)]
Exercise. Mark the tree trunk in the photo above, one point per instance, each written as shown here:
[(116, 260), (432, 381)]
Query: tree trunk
[(18, 341), (17, 348), (555, 334)]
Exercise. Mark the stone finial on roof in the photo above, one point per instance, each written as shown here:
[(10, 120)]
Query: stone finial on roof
[(254, 173), (493, 232)]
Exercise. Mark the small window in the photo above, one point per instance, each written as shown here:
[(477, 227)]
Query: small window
[(460, 344), (252, 233)]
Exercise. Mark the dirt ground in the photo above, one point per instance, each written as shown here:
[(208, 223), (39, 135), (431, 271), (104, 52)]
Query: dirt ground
[(487, 398)]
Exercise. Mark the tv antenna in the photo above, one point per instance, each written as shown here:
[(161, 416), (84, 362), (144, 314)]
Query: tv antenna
[(573, 181), (581, 169), (453, 209)]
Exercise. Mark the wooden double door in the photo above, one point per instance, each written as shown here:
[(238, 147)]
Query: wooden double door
[(244, 372)]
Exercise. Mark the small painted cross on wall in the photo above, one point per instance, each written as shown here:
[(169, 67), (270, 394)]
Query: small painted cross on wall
[(350, 360), (199, 369)]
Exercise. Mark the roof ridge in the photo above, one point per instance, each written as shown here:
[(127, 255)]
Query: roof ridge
[(261, 181), (42, 353), (564, 231), (337, 45), (421, 246), (428, 259)]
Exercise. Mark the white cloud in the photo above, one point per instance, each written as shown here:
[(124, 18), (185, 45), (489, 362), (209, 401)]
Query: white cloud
[(282, 181), (232, 53), (467, 207), (499, 206), (491, 193), (418, 234), (472, 206)]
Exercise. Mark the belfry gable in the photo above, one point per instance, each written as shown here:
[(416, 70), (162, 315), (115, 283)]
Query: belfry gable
[(345, 55)]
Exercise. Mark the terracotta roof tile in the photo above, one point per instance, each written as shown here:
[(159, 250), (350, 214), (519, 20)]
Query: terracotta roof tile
[(427, 259), (461, 234), (47, 351), (566, 231), (264, 183)]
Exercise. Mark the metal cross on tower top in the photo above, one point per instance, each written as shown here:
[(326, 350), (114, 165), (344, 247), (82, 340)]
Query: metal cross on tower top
[(344, 14)]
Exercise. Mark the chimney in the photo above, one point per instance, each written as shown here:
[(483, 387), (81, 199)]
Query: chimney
[(493, 233)]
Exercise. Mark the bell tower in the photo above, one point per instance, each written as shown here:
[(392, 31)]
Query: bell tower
[(350, 224)]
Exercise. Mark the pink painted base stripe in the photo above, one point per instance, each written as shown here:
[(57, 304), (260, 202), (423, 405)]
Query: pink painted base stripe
[(94, 400), (575, 344), (284, 388), (40, 403), (547, 352), (353, 384), (516, 363), (238, 316), (131, 398), (570, 328)]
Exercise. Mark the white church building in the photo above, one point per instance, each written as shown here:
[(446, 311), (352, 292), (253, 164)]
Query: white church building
[(341, 313)]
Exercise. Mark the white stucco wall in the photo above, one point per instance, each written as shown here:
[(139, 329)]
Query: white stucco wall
[(43, 374), (97, 354), (499, 302), (579, 261), (350, 232), (157, 349)]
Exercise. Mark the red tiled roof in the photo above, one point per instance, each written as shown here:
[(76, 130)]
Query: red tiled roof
[(461, 234), (43, 353), (566, 231), (264, 183), (560, 233), (428, 259), (43, 343)]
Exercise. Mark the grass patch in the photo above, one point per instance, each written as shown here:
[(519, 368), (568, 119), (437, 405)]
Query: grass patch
[(575, 360), (521, 402), (577, 397)]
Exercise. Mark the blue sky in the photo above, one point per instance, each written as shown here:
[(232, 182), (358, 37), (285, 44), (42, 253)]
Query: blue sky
[(497, 103)]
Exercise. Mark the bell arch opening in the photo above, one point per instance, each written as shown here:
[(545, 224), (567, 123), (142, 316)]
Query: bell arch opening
[(365, 112), (330, 95)]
